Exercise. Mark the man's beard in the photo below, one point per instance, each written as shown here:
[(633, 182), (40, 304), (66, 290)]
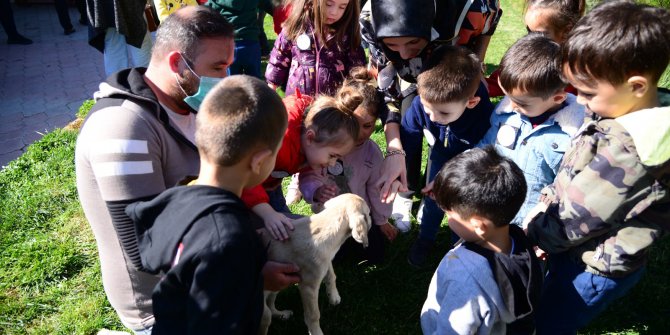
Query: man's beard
[(186, 85)]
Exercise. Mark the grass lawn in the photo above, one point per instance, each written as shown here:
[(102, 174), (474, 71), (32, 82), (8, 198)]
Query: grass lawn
[(50, 277)]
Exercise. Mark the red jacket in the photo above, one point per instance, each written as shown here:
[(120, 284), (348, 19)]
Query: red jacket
[(290, 158)]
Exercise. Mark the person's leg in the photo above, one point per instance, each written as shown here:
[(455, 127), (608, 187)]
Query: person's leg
[(277, 200), (374, 253), (412, 159), (402, 205), (8, 24), (83, 16), (141, 56), (431, 219), (572, 297), (293, 195), (116, 53), (262, 38), (64, 16), (247, 59)]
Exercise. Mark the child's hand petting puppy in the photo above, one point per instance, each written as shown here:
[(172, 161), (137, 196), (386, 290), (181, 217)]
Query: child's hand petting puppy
[(276, 223)]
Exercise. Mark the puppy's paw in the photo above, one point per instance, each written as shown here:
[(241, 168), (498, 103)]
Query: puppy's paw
[(334, 298), (284, 315)]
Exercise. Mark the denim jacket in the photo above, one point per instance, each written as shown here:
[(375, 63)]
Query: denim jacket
[(537, 151)]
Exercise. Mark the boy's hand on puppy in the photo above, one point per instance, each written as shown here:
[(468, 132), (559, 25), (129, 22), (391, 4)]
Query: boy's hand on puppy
[(389, 231), (276, 223), (325, 193), (278, 276)]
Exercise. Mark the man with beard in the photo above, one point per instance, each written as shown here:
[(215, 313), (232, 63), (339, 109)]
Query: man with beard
[(138, 140)]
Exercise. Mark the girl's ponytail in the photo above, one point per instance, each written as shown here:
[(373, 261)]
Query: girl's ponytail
[(360, 90)]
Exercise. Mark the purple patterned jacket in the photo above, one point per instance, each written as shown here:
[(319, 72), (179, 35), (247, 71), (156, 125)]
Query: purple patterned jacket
[(314, 70)]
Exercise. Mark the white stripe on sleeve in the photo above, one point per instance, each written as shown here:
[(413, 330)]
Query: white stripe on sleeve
[(108, 169), (119, 146)]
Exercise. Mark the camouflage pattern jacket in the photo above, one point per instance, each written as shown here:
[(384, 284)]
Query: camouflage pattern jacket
[(611, 198)]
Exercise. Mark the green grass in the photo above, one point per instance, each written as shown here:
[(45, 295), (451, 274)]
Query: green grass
[(50, 279)]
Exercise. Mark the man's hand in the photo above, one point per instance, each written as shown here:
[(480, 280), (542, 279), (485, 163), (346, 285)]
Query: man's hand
[(278, 276)]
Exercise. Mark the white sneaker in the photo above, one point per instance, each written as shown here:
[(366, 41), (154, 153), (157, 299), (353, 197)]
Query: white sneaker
[(293, 195), (402, 209)]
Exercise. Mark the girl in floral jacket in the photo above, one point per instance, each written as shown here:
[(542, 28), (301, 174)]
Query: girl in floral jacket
[(318, 46)]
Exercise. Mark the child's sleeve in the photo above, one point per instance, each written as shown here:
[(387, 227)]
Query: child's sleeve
[(279, 62), (453, 306), (596, 201), (161, 9), (411, 127), (254, 196), (356, 58), (492, 134), (308, 182)]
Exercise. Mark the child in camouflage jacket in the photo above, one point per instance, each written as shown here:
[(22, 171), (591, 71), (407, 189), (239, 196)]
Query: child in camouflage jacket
[(609, 202)]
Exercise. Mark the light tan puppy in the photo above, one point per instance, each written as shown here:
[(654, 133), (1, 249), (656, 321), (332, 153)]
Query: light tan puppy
[(312, 246)]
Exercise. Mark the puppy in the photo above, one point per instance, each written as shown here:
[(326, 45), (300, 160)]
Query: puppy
[(312, 246)]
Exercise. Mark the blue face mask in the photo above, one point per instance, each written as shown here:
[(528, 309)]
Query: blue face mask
[(206, 84)]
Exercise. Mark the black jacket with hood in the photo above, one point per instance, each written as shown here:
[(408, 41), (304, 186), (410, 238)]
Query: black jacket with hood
[(201, 238), (438, 21)]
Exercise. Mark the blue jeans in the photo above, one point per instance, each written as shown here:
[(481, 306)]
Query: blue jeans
[(432, 215), (277, 200), (572, 297), (116, 52), (247, 58)]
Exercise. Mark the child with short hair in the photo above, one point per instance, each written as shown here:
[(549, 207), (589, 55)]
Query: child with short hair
[(318, 45), (535, 121), (199, 236), (452, 112), (490, 282), (609, 202), (357, 172), (554, 18), (318, 134)]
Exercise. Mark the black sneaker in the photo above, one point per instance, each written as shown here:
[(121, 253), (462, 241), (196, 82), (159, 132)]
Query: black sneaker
[(419, 251), (69, 31)]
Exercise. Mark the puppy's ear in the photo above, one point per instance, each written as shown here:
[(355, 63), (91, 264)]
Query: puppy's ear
[(359, 222)]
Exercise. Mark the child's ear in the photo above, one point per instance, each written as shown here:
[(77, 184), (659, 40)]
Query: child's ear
[(472, 102), (560, 96), (479, 226), (258, 159), (639, 85), (310, 135)]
